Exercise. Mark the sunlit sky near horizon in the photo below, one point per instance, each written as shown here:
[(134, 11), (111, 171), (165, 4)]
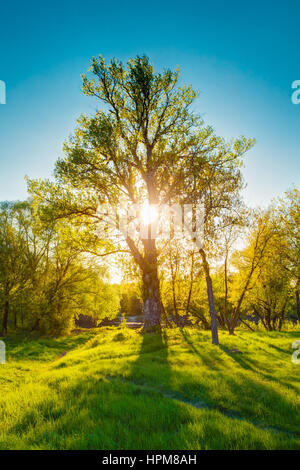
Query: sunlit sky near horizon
[(243, 58)]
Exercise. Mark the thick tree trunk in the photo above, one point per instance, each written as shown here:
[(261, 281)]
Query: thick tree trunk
[(5, 317), (212, 310), (152, 302), (151, 288)]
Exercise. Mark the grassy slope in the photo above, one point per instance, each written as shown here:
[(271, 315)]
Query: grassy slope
[(117, 389)]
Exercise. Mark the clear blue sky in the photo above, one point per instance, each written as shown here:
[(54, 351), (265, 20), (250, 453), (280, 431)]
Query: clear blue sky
[(243, 56)]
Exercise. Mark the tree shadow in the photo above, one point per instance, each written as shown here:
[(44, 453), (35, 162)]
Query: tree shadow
[(152, 361), (207, 359), (251, 365), (259, 397), (41, 348)]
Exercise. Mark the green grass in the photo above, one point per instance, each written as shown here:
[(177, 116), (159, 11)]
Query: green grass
[(118, 389)]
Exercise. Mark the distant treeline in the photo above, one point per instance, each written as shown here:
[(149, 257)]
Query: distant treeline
[(50, 273)]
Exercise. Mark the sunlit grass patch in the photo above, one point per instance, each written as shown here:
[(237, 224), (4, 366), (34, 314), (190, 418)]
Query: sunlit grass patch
[(119, 389)]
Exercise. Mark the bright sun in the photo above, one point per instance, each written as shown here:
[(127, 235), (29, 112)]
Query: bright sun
[(148, 214)]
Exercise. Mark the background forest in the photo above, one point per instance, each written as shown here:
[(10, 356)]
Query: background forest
[(48, 276)]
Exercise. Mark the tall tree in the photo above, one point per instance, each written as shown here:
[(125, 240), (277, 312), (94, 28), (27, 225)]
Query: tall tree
[(140, 147)]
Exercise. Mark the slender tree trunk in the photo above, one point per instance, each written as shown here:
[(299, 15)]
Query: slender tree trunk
[(231, 328), (260, 317), (232, 322), (268, 320), (226, 288), (173, 276), (298, 305), (281, 315), (210, 296), (5, 317), (165, 315), (191, 284), (246, 324)]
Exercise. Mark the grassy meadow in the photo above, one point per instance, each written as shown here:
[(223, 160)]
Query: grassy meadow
[(115, 388)]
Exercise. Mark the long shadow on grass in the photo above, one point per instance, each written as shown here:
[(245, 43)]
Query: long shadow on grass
[(263, 370), (152, 361), (250, 397), (205, 358), (22, 346)]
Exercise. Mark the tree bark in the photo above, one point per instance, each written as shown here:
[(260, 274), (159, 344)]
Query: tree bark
[(212, 310), (151, 288), (152, 300)]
